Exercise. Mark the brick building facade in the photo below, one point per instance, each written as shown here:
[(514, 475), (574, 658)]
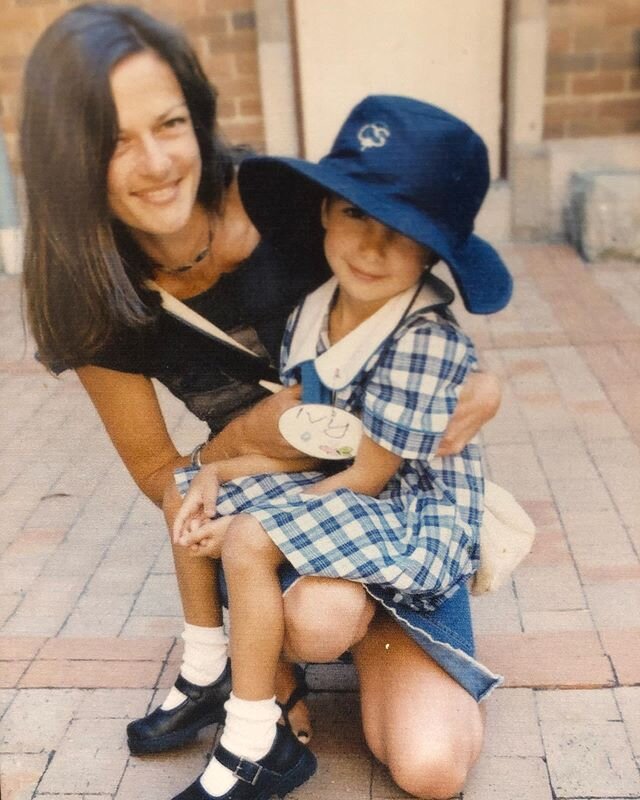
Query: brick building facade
[(223, 32), (593, 68), (593, 62), (590, 50)]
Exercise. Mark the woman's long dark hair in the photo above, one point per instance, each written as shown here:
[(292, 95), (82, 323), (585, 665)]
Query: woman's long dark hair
[(83, 275)]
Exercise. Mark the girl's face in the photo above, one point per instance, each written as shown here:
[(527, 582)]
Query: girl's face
[(154, 172), (371, 261)]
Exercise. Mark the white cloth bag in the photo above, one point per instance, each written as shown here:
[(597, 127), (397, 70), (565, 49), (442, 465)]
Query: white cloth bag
[(506, 537)]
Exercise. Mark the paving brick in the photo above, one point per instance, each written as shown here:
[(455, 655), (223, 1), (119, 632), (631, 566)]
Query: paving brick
[(107, 649), (8, 604), (511, 727), (20, 773), (35, 541), (338, 778), (159, 596), (497, 612), (42, 796), (26, 624), (6, 698), (153, 626), (91, 759), (587, 755), (565, 659), (38, 719), (52, 596), (91, 674), (562, 620), (623, 647), (595, 528), (549, 549), (516, 467), (592, 705), (24, 647), (608, 573), (84, 623), (11, 672), (614, 605), (548, 588), (114, 703), (628, 699), (500, 778), (164, 775)]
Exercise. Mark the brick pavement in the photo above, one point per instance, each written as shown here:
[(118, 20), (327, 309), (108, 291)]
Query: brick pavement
[(89, 610)]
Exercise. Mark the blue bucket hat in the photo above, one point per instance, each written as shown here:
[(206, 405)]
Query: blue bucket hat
[(410, 165)]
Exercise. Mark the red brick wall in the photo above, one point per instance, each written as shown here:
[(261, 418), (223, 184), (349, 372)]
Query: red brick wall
[(222, 31), (593, 68)]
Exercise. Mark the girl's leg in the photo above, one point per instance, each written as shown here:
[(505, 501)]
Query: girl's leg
[(250, 561), (417, 720)]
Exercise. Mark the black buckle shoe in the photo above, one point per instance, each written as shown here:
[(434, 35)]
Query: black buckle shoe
[(163, 730), (285, 767)]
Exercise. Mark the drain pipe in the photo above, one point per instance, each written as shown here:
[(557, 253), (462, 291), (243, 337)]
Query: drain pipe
[(11, 234)]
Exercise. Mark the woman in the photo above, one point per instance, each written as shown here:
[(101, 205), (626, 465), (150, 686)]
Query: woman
[(127, 180)]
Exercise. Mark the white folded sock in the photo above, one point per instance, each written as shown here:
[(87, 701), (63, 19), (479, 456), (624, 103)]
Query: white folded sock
[(249, 731), (203, 661)]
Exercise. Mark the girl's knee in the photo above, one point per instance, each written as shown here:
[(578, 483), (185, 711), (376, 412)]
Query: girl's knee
[(325, 617), (245, 544)]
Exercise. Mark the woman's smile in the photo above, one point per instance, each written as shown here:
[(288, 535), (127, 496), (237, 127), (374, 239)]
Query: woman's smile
[(159, 195)]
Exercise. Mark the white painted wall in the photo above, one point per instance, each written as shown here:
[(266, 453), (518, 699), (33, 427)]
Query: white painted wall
[(446, 53)]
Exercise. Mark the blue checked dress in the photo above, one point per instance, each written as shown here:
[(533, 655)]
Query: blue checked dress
[(417, 541), (415, 545)]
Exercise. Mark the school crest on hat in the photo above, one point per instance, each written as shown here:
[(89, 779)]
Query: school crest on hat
[(373, 134)]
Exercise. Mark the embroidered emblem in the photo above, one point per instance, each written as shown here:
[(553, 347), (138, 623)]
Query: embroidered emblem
[(373, 134)]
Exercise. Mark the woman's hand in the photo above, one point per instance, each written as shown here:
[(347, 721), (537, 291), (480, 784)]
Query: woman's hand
[(478, 402), (198, 506), (256, 432)]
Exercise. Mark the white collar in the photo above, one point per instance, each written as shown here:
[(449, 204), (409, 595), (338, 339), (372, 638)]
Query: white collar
[(339, 365)]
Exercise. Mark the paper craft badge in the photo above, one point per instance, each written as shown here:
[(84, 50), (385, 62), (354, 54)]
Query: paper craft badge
[(321, 431)]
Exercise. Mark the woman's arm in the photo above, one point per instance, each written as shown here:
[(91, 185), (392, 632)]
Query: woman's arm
[(129, 409), (256, 433)]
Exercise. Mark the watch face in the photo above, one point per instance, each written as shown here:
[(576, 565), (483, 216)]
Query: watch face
[(321, 431)]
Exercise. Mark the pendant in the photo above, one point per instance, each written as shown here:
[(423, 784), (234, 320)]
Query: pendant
[(321, 431)]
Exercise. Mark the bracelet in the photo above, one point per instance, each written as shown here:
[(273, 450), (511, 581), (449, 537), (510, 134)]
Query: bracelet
[(196, 460)]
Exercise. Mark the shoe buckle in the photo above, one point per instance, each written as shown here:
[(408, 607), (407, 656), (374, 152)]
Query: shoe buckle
[(247, 771)]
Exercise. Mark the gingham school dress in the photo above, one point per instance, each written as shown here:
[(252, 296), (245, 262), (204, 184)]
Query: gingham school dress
[(416, 544), (419, 538)]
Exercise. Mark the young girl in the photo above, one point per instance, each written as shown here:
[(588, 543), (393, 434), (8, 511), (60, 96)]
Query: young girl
[(398, 192)]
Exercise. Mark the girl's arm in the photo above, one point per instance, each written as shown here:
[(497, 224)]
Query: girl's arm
[(370, 472)]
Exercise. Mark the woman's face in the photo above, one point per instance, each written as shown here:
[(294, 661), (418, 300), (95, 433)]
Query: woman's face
[(154, 172)]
